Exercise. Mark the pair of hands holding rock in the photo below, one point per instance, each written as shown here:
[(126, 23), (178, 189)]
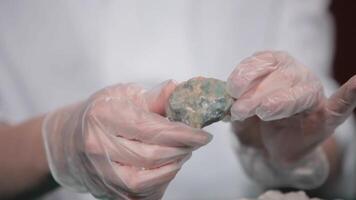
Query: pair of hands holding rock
[(123, 146), (275, 103)]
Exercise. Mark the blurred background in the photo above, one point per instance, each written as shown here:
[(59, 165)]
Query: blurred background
[(344, 15)]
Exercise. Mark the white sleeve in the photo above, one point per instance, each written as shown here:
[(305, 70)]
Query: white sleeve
[(3, 112), (14, 104)]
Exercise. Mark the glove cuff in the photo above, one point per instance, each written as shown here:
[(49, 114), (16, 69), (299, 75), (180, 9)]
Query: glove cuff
[(59, 144), (308, 173)]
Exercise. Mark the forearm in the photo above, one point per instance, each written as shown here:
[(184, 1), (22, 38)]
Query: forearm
[(23, 161)]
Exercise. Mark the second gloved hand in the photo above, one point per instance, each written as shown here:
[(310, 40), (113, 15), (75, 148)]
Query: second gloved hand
[(118, 144), (281, 116)]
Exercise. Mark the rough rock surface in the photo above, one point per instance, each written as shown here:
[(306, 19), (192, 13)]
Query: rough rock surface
[(276, 195), (199, 102)]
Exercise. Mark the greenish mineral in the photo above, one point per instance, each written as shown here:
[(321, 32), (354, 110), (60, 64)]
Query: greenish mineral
[(199, 102)]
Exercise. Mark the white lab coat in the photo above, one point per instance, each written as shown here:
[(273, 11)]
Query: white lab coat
[(56, 52)]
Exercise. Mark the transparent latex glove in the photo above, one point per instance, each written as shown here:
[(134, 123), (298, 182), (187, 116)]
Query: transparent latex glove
[(118, 144), (282, 113)]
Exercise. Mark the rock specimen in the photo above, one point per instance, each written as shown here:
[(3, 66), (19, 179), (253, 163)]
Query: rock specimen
[(276, 195), (199, 102)]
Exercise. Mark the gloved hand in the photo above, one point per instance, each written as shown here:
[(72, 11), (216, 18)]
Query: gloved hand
[(281, 116), (118, 144)]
